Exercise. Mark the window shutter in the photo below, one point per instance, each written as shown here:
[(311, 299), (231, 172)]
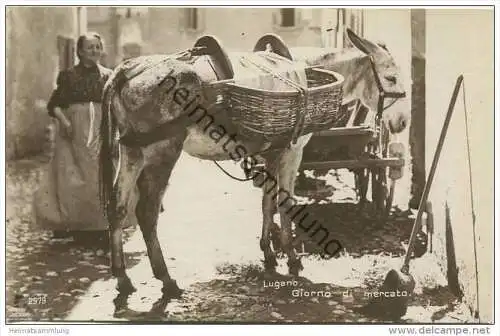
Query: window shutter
[(355, 20), (66, 52), (358, 22), (201, 19), (341, 20), (289, 17), (298, 16), (192, 19), (182, 16), (277, 18)]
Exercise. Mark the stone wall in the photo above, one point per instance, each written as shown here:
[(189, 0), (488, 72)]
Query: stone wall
[(32, 63)]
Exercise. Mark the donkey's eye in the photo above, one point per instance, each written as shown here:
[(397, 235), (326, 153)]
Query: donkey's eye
[(391, 79)]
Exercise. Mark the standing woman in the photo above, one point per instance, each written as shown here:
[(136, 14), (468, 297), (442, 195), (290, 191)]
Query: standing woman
[(68, 199)]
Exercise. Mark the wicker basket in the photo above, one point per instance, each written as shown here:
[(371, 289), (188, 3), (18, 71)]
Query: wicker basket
[(273, 115)]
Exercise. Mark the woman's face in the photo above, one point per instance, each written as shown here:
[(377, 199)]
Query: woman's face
[(91, 50)]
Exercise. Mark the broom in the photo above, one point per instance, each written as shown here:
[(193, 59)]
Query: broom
[(392, 298)]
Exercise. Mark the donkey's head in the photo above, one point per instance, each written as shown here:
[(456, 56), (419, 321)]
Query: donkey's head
[(388, 80)]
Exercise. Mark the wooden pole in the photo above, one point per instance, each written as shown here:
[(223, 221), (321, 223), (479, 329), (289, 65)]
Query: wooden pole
[(432, 172)]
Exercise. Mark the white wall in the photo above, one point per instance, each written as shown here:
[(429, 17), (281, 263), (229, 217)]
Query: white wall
[(461, 42), (236, 28), (457, 42)]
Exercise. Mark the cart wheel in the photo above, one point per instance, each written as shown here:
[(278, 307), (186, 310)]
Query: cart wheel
[(362, 177), (382, 192)]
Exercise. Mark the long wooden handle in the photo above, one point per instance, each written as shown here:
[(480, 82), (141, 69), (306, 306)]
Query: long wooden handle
[(425, 194)]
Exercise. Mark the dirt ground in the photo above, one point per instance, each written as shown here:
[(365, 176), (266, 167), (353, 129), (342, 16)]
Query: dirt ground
[(210, 232)]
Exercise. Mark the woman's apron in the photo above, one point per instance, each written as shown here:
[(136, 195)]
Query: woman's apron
[(68, 197)]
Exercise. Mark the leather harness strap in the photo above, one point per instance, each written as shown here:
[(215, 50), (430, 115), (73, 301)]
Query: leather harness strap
[(382, 94)]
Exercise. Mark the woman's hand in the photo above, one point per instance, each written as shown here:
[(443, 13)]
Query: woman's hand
[(67, 129)]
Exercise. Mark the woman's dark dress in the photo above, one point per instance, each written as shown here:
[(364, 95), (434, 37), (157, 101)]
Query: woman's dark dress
[(68, 198)]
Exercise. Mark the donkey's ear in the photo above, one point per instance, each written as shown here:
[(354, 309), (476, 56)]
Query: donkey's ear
[(362, 44)]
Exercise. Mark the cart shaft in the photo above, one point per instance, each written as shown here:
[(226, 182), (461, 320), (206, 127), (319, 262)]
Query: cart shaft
[(362, 163)]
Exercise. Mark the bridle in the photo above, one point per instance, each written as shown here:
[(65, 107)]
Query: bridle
[(382, 94)]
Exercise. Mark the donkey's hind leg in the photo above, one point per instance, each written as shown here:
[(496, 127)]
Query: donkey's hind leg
[(130, 166), (152, 184)]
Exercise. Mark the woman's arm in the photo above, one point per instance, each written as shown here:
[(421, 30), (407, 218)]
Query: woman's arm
[(57, 113), (57, 99)]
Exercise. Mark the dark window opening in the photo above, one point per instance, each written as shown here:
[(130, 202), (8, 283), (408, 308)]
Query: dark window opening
[(287, 17), (192, 18)]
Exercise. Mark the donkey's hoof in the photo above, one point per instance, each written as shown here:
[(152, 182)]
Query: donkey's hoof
[(124, 286), (275, 237), (170, 290), (270, 264), (294, 267)]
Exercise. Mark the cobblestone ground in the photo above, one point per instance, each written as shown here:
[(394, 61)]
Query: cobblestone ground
[(210, 233)]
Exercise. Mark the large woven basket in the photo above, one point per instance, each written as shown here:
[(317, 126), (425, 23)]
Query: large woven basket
[(273, 115)]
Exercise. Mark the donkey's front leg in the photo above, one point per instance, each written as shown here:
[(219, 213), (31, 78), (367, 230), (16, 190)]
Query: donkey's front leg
[(268, 205), (285, 202), (287, 174), (267, 180)]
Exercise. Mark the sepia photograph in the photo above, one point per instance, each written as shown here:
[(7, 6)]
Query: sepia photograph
[(249, 164)]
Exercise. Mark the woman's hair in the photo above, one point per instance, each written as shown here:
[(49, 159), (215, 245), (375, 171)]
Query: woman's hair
[(87, 36)]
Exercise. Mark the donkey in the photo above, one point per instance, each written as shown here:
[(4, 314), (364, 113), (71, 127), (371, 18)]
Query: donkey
[(148, 152)]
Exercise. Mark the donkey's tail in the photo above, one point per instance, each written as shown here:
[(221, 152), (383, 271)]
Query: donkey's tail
[(107, 133)]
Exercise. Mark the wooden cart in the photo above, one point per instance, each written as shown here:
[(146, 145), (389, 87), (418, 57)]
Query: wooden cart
[(361, 146)]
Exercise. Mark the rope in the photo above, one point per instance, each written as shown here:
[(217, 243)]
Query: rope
[(290, 82), (471, 197), (394, 100), (234, 177)]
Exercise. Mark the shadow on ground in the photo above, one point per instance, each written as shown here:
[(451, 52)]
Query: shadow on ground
[(45, 277), (358, 232), (63, 270), (249, 295), (246, 294)]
